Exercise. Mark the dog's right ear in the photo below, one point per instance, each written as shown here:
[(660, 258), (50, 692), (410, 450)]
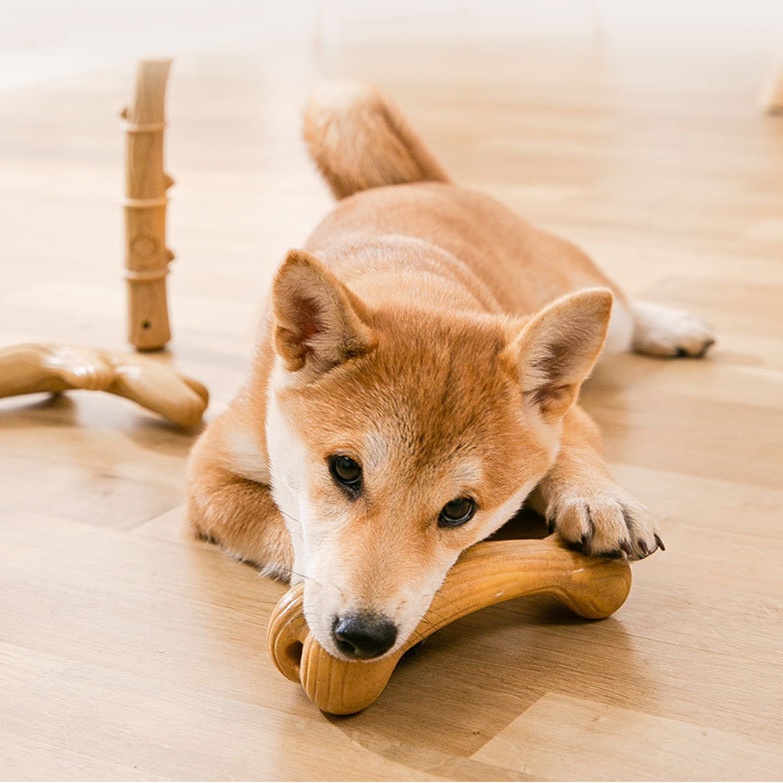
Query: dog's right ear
[(318, 321)]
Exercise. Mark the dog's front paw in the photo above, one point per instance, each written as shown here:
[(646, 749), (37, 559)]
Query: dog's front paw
[(606, 522)]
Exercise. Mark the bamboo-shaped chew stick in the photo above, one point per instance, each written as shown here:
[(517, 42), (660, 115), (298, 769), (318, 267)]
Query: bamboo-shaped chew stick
[(30, 368), (771, 95), (486, 574), (147, 257)]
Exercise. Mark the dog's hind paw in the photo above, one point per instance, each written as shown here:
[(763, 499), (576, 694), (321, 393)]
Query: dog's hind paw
[(665, 331), (606, 522)]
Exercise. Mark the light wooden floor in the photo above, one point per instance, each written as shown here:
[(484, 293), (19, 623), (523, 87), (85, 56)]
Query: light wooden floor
[(128, 652)]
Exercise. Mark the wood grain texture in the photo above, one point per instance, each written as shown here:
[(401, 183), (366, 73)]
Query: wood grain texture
[(558, 731), (129, 652), (146, 255)]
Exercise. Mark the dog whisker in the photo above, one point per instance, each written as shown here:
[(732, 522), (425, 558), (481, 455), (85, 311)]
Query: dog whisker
[(304, 577), (288, 516)]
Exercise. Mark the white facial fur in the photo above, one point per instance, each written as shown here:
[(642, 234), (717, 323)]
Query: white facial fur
[(287, 458)]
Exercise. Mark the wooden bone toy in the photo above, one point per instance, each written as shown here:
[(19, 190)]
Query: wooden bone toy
[(30, 368), (486, 574)]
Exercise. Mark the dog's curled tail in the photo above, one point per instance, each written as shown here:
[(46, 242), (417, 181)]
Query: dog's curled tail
[(359, 140)]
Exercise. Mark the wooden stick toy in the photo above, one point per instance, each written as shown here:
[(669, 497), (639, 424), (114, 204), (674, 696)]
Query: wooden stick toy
[(486, 574), (30, 368), (771, 94), (146, 255)]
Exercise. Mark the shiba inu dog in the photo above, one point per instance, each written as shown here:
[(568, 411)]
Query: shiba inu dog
[(416, 381)]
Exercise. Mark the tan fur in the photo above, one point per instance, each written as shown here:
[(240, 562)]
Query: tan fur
[(360, 140), (417, 333)]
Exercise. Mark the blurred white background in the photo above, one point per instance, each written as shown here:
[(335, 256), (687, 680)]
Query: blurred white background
[(42, 40)]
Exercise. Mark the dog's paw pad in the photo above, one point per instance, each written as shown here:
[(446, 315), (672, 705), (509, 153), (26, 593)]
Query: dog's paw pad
[(665, 331), (608, 523)]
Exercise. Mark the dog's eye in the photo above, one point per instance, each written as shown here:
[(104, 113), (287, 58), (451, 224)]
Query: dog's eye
[(346, 472), (457, 512)]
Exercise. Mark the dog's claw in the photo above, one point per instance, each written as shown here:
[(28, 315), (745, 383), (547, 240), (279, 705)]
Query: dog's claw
[(608, 524), (659, 542)]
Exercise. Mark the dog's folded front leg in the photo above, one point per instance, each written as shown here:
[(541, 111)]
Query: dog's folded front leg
[(234, 512), (582, 502)]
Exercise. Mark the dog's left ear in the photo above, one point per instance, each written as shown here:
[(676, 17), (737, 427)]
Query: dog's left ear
[(557, 349), (318, 320)]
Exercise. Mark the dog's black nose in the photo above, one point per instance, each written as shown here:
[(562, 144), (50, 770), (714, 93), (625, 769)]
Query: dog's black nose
[(364, 635)]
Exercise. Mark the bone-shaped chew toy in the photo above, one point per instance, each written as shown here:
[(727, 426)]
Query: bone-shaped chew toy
[(485, 574), (32, 367)]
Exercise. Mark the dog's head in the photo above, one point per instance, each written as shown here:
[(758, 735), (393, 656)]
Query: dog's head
[(399, 438)]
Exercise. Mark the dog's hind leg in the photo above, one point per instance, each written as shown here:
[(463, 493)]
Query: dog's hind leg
[(666, 331)]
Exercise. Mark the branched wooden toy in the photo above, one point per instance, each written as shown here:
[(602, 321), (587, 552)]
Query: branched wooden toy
[(146, 255), (32, 367), (486, 574)]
